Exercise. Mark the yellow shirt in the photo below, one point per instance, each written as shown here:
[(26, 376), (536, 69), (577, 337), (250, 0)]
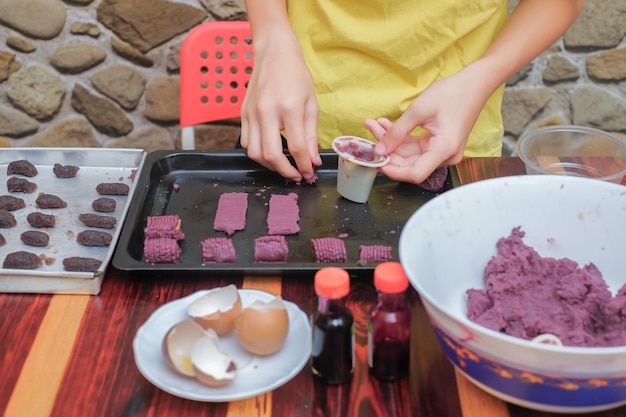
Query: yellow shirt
[(372, 58)]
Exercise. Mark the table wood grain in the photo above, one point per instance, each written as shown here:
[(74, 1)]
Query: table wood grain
[(71, 355)]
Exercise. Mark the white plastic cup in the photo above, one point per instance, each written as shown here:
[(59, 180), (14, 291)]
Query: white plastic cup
[(356, 174)]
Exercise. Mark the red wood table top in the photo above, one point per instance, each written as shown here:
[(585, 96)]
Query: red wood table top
[(72, 355)]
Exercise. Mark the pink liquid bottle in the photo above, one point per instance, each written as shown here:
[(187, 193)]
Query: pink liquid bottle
[(332, 324), (389, 330)]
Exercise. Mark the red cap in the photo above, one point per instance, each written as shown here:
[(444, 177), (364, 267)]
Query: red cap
[(389, 277), (332, 282)]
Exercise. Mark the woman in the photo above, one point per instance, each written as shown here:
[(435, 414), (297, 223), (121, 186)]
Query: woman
[(325, 68)]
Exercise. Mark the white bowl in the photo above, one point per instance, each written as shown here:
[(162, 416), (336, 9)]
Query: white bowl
[(445, 246)]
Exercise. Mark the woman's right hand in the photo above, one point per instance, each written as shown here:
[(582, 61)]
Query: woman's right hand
[(281, 97)]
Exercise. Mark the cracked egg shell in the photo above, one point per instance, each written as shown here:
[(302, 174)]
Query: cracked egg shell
[(211, 366), (262, 327), (178, 342), (217, 309)]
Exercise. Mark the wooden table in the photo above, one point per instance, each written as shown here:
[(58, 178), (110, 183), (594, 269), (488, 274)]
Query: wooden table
[(71, 355)]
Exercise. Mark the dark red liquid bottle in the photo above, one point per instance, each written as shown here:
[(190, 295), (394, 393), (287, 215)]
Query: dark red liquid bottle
[(332, 326), (389, 333)]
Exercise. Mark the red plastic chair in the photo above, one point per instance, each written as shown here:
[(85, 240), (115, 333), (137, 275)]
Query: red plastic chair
[(215, 66)]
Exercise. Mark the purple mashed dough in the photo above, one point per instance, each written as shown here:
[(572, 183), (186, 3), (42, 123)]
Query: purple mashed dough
[(527, 295), (357, 151), (436, 180)]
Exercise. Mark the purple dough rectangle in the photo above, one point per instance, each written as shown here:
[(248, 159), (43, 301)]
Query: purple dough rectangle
[(231, 213), (218, 249), (329, 249), (167, 226), (161, 251), (375, 253), (283, 215), (271, 249)]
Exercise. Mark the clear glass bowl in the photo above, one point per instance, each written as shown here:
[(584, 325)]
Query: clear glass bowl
[(575, 151)]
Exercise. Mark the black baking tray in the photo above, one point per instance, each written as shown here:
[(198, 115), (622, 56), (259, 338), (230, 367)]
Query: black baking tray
[(202, 176)]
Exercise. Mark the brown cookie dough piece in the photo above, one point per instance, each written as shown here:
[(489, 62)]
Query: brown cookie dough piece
[(10, 203), (80, 264), (104, 204), (22, 167), (3, 241), (50, 201), (65, 171), (97, 220), (112, 188), (22, 260), (21, 185), (7, 219), (37, 219), (35, 238), (94, 238)]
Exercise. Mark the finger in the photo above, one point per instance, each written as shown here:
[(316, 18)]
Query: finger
[(399, 131), (378, 128), (310, 131), (244, 131), (254, 147), (273, 155), (415, 173), (298, 146), (422, 139), (384, 122), (375, 128)]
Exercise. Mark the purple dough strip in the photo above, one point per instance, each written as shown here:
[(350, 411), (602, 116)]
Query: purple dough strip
[(231, 212), (283, 215), (270, 249), (329, 249), (218, 249)]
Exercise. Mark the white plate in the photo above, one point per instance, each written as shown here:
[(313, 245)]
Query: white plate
[(255, 375)]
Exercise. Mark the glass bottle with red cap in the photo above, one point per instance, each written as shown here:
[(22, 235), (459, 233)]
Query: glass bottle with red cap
[(389, 330), (332, 325)]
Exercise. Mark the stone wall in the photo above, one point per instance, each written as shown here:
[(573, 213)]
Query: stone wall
[(580, 80), (105, 73)]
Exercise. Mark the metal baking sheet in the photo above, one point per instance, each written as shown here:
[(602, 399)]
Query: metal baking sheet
[(202, 176), (96, 165)]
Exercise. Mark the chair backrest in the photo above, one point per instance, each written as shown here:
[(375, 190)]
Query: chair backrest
[(215, 66)]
